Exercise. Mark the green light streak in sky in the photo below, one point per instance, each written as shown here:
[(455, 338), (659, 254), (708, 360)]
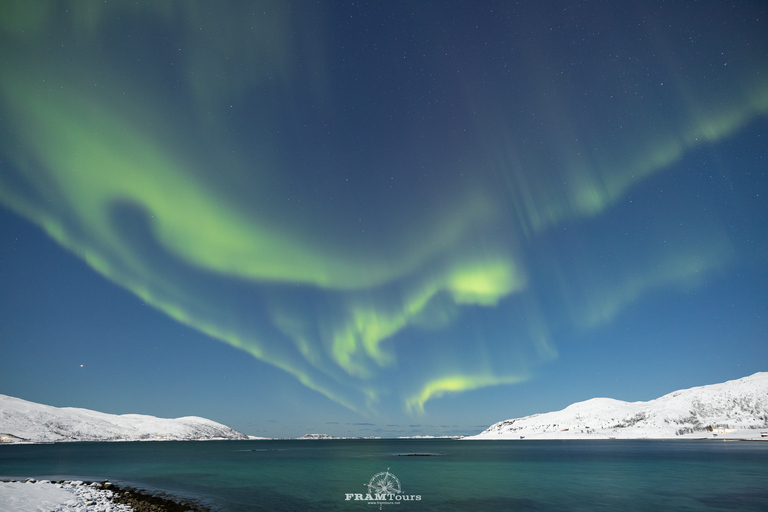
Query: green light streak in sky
[(454, 384), (85, 140), (592, 186), (683, 271), (94, 161), (369, 326), (97, 161)]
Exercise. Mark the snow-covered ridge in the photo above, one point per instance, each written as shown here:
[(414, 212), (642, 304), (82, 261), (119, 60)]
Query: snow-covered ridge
[(29, 422), (733, 409)]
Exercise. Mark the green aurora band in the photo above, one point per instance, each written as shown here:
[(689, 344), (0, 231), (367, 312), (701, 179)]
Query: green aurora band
[(152, 193)]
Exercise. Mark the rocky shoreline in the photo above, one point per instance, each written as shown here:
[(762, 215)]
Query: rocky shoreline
[(95, 495), (144, 501)]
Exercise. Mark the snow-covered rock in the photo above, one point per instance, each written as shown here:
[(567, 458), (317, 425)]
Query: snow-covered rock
[(29, 422), (316, 436), (733, 409)]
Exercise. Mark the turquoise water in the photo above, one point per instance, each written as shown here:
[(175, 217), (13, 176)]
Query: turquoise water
[(447, 475)]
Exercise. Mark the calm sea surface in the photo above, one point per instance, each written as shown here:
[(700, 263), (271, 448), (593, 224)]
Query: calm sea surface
[(447, 475)]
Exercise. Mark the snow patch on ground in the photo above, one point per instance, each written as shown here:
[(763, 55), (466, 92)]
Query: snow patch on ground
[(45, 496)]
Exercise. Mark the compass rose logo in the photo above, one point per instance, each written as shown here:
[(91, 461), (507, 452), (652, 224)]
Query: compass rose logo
[(384, 483), (383, 489)]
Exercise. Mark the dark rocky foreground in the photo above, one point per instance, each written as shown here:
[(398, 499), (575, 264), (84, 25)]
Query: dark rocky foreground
[(145, 501)]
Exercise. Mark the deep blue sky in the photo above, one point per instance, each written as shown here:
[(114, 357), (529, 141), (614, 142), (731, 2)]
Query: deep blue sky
[(384, 218)]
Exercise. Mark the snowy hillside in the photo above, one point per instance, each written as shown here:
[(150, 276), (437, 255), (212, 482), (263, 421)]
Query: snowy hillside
[(733, 409), (22, 421)]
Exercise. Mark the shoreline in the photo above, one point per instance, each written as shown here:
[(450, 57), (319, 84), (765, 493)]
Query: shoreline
[(95, 495), (144, 500)]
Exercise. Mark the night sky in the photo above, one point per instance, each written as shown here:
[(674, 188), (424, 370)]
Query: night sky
[(379, 218)]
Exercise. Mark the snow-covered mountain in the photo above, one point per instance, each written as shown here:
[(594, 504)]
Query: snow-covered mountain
[(314, 437), (29, 422), (733, 409)]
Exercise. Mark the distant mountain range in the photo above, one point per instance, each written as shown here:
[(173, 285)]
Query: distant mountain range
[(29, 422), (737, 409)]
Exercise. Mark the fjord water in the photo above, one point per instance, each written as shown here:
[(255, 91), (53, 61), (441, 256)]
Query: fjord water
[(448, 475)]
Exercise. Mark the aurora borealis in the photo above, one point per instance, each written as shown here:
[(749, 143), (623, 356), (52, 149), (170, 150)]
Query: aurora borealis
[(400, 210)]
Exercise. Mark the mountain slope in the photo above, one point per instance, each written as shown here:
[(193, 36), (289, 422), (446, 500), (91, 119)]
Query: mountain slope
[(22, 421), (737, 408)]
